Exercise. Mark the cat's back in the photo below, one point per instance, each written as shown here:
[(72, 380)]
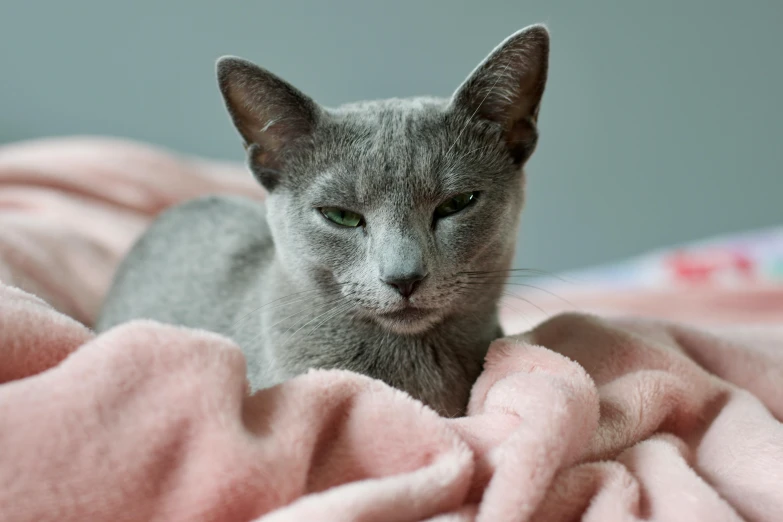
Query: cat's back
[(199, 265)]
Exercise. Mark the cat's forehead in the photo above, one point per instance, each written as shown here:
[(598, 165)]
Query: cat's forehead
[(396, 149), (390, 131)]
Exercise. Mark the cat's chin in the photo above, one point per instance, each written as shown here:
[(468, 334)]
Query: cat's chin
[(408, 321)]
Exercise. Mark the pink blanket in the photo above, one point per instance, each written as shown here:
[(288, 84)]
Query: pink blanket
[(580, 418)]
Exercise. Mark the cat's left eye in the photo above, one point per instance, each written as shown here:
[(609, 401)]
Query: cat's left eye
[(455, 204), (342, 217)]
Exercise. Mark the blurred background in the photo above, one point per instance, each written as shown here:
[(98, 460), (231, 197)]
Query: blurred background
[(662, 121)]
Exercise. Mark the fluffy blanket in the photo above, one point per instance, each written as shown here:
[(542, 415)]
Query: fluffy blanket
[(581, 417)]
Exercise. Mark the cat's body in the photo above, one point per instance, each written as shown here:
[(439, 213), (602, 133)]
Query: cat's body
[(383, 242), (240, 263)]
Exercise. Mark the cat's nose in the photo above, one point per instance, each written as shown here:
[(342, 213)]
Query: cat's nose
[(406, 285)]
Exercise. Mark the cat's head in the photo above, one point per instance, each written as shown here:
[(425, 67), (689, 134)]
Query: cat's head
[(393, 204)]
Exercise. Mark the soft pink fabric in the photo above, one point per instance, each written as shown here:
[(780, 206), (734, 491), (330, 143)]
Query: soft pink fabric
[(580, 418), (608, 420)]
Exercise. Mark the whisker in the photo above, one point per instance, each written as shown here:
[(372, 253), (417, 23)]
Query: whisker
[(271, 302), (299, 312), (278, 305), (308, 322), (508, 270), (292, 301), (320, 305), (531, 270), (341, 311), (511, 283), (520, 313), (531, 303), (516, 272), (259, 334), (548, 292), (464, 285)]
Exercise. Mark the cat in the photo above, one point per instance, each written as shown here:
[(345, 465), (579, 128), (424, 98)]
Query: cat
[(384, 241)]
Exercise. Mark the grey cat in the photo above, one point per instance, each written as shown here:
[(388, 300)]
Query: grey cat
[(383, 244)]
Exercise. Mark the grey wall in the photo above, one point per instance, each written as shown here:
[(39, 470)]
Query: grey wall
[(662, 121)]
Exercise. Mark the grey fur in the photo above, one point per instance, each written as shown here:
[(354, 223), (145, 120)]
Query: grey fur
[(296, 291)]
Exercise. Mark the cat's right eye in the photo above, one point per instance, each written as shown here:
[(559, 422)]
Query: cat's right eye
[(455, 204), (342, 217)]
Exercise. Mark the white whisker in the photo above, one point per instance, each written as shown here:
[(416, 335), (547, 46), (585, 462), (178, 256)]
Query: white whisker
[(310, 321)]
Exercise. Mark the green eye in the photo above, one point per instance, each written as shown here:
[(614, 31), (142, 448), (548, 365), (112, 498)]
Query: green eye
[(455, 204), (344, 218)]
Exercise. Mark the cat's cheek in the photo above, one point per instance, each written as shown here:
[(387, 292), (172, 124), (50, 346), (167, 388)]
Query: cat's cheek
[(452, 243), (341, 251)]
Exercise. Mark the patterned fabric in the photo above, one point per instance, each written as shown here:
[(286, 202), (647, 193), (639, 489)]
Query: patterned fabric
[(748, 259)]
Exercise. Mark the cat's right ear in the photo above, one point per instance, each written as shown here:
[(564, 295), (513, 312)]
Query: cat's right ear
[(507, 87), (271, 115)]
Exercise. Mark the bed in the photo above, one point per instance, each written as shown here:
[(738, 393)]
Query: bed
[(648, 389)]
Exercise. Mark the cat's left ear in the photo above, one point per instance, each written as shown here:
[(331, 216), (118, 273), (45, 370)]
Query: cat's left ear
[(272, 116), (507, 87)]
